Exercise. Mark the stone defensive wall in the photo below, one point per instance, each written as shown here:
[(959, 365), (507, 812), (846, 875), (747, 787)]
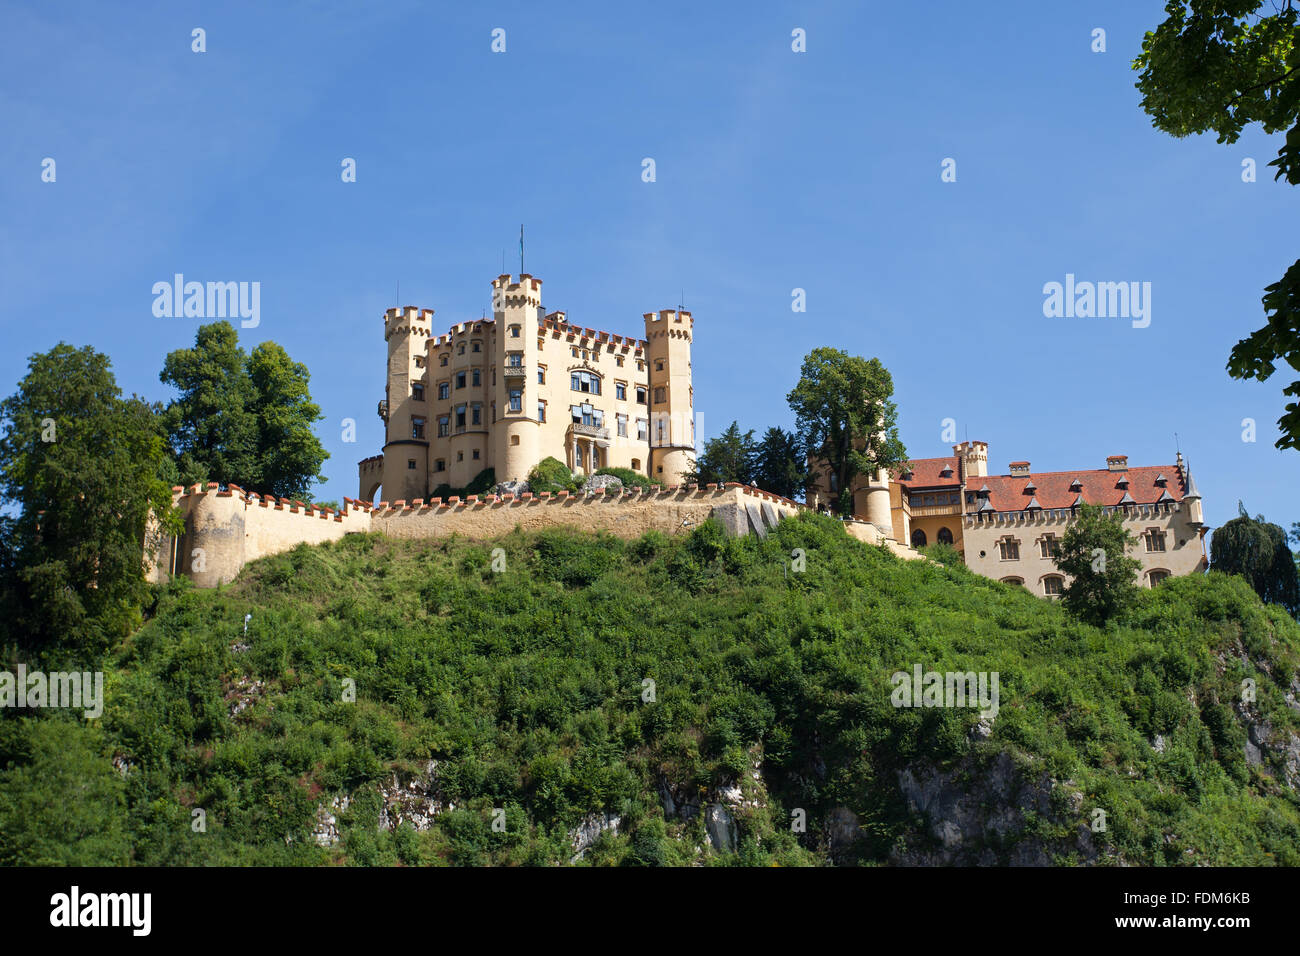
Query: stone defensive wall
[(225, 529)]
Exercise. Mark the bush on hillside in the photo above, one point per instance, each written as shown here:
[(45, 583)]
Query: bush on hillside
[(551, 474)]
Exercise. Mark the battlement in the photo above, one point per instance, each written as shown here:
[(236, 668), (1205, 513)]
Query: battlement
[(407, 319), (674, 323), (508, 294), (557, 328)]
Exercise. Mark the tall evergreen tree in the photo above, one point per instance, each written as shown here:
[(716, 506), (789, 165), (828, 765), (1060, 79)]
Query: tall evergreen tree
[(84, 469), (729, 457), (780, 463)]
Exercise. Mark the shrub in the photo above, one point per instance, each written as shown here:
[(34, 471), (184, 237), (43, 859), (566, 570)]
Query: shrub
[(630, 478), (551, 474)]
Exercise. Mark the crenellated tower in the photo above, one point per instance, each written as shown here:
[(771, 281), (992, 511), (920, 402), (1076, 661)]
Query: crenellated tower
[(517, 314), (672, 422), (404, 409)]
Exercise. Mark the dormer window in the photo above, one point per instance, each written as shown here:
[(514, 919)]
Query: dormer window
[(1030, 488), (1160, 480), (947, 472), (1123, 482), (1076, 485)]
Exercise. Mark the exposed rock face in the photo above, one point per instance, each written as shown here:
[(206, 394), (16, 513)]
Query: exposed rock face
[(972, 810), (721, 827), (326, 832), (589, 830), (243, 693), (411, 799), (510, 488)]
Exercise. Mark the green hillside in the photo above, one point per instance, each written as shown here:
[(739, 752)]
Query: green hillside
[(512, 703)]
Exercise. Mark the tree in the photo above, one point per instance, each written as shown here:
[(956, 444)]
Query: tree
[(211, 425), (845, 417), (1257, 551), (1221, 65), (1094, 553), (84, 469), (729, 457), (242, 419), (287, 450), (780, 463)]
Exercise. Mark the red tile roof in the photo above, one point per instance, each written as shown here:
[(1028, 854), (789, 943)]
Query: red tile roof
[(1051, 489), (1100, 487), (925, 473)]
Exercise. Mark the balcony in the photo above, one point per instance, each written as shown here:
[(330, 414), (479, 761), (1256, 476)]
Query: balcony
[(514, 371), (934, 511), (590, 431)]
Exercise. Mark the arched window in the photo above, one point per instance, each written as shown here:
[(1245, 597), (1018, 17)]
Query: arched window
[(1156, 575), (1020, 581), (918, 538), (577, 457), (1053, 585), (945, 536)]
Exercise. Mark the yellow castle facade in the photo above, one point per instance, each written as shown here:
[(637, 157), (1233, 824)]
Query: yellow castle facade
[(504, 393)]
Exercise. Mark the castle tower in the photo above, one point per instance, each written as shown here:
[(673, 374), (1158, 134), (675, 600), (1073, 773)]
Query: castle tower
[(405, 405), (974, 456), (672, 420), (517, 311)]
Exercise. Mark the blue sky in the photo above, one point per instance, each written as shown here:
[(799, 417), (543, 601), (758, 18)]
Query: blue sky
[(775, 170)]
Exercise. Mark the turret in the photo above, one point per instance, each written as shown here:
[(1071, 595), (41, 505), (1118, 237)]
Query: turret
[(672, 414), (406, 404), (974, 456), (517, 312)]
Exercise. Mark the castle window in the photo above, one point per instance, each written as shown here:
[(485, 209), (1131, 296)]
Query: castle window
[(640, 394), (1009, 549), (575, 351), (460, 456), (541, 411), (444, 361), (541, 375), (643, 429), (659, 365), (444, 390), (478, 347), (1155, 539), (515, 359), (440, 465), (640, 367), (584, 382), (417, 392), (659, 394), (419, 361), (622, 425), (476, 452), (636, 464), (1157, 576), (417, 427), (476, 378), (444, 426), (918, 538), (620, 391), (410, 464), (514, 439), (516, 400), (460, 379), (1049, 546), (476, 414), (461, 350), (1013, 580), (460, 419), (944, 536), (577, 456), (1053, 585), (619, 359), (595, 458), (514, 331)]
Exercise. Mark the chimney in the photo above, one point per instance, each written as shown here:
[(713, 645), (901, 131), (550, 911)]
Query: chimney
[(1117, 462), (1019, 469)]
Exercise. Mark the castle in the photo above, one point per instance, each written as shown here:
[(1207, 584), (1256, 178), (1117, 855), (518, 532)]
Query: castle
[(504, 393), (1009, 527)]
